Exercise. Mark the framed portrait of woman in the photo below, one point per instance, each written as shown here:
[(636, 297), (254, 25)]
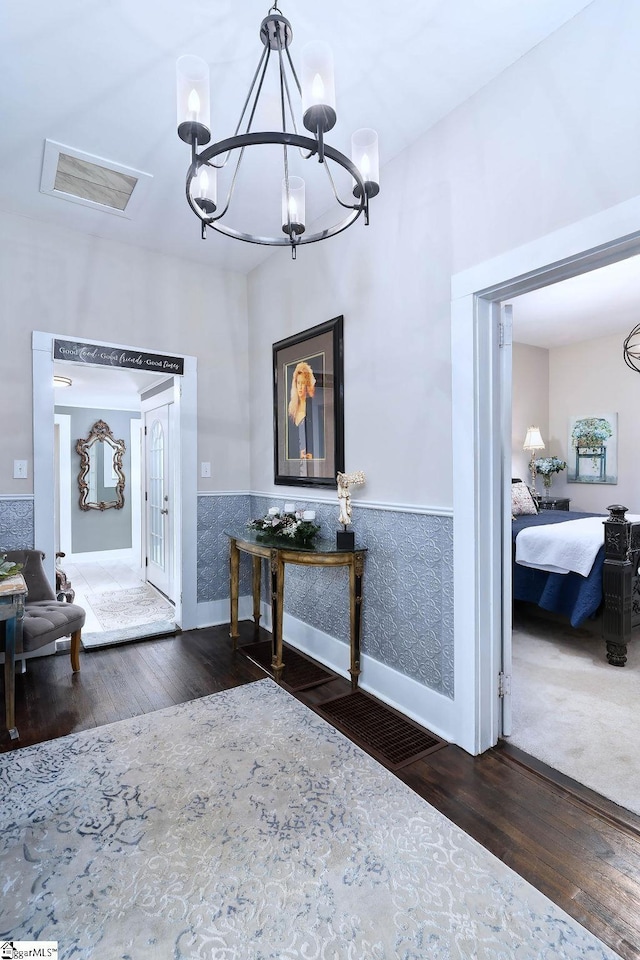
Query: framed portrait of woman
[(308, 408)]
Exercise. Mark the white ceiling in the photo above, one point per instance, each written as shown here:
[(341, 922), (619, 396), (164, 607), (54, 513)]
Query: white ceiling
[(99, 76), (102, 388), (596, 304)]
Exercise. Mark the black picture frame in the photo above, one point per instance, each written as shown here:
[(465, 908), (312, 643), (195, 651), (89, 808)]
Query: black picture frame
[(309, 451)]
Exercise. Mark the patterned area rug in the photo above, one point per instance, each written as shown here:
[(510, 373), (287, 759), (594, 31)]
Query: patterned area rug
[(118, 609), (244, 827)]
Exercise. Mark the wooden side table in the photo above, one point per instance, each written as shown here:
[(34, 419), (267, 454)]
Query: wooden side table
[(323, 554), (13, 591)]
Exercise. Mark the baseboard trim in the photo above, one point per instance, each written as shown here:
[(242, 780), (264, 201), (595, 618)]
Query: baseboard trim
[(427, 707), (215, 612)]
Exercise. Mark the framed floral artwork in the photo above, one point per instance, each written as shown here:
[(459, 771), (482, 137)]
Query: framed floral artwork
[(308, 407), (592, 449)]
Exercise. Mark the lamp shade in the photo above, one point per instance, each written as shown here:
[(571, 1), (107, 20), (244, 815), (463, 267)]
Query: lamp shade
[(533, 440), (192, 76), (204, 189), (293, 205), (364, 153), (318, 87)]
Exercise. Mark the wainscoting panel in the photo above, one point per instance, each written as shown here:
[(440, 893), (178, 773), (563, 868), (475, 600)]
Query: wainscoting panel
[(408, 582), (16, 523), (217, 513), (408, 589)]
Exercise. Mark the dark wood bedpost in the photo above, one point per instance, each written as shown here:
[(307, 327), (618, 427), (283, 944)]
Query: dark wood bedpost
[(617, 585)]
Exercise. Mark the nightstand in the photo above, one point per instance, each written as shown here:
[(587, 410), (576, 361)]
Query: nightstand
[(554, 503)]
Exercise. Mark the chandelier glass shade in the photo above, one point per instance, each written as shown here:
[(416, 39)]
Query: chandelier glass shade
[(349, 182)]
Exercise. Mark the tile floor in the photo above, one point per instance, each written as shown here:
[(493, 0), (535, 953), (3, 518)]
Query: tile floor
[(97, 577)]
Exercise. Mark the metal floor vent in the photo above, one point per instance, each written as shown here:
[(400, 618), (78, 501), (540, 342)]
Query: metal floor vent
[(299, 672), (73, 175), (392, 739)]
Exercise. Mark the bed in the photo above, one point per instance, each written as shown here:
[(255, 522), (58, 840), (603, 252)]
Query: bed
[(609, 585)]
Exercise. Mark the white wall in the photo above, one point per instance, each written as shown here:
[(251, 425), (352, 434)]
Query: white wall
[(545, 144), (59, 281), (583, 379), (588, 379), (530, 407)]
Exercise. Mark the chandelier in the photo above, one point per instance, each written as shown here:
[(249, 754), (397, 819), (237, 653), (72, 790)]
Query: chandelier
[(631, 349), (352, 182)]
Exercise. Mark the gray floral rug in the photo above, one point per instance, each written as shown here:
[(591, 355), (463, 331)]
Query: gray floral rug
[(116, 609), (243, 827)]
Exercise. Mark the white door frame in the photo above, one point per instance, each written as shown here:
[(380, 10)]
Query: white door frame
[(169, 398), (63, 421), (479, 511), (43, 464)]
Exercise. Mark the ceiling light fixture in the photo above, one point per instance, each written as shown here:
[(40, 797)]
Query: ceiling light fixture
[(59, 381), (317, 93)]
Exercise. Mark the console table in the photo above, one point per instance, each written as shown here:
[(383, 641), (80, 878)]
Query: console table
[(13, 591), (322, 554)]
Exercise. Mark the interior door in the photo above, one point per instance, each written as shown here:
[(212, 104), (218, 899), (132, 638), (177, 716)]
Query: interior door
[(158, 501), (506, 364)]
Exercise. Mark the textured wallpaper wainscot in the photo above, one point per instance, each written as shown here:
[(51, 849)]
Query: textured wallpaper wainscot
[(408, 581), (216, 514), (16, 523)]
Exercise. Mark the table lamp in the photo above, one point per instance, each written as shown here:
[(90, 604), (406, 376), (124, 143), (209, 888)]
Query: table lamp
[(533, 442)]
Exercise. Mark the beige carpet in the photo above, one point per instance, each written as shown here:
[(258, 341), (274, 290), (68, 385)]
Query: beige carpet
[(243, 827), (574, 711)]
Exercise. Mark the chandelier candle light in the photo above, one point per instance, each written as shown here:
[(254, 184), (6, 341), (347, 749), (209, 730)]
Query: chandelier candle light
[(317, 92)]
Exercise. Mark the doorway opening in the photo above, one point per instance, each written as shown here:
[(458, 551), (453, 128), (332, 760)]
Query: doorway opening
[(112, 577), (568, 703), (102, 554), (482, 473)]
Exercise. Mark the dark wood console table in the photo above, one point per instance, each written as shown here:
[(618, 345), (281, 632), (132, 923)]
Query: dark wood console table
[(323, 554), (13, 591)]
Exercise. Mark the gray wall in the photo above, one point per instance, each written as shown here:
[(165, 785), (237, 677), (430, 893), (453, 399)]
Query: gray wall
[(93, 530)]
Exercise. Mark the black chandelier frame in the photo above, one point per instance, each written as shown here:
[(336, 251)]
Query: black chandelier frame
[(276, 34), (631, 350)]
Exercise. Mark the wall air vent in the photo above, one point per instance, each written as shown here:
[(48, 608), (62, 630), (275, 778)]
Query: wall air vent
[(92, 181)]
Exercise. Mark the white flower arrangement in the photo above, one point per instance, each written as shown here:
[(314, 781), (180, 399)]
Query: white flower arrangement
[(547, 466), (297, 527)]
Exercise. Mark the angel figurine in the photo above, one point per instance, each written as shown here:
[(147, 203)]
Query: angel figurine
[(345, 481)]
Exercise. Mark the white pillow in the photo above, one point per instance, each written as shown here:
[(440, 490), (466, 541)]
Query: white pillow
[(522, 503)]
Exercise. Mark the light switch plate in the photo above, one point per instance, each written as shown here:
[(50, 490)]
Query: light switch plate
[(19, 469), (205, 469)]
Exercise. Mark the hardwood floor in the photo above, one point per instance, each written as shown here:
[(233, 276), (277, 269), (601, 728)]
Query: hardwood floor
[(580, 850)]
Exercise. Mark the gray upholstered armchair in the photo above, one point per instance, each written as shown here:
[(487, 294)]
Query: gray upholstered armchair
[(45, 618)]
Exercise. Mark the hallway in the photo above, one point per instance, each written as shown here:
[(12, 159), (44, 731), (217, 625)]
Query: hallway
[(119, 604)]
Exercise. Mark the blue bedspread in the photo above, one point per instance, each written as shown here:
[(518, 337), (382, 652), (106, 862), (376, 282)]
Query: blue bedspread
[(569, 594)]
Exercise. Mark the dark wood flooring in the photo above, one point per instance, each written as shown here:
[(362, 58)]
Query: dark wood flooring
[(577, 848)]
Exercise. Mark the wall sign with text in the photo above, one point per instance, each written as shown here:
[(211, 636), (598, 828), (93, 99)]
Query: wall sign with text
[(101, 355)]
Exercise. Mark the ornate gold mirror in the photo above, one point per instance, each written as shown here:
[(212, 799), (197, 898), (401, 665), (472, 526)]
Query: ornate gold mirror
[(101, 478)]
